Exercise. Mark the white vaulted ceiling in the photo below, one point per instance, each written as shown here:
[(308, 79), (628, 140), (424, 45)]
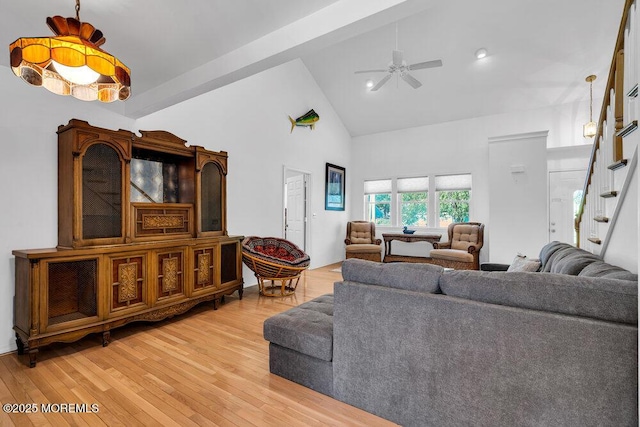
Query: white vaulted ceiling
[(539, 51)]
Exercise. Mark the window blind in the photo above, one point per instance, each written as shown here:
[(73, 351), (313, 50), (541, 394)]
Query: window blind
[(377, 187), (453, 182), (413, 185)]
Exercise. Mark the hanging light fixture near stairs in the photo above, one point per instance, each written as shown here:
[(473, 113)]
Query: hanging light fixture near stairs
[(71, 63), (589, 130)]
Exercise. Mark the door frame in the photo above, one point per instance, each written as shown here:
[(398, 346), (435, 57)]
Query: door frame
[(290, 170), (549, 172)]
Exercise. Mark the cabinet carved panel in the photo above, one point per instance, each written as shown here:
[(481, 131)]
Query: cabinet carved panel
[(170, 274), (204, 268), (142, 235), (128, 282)]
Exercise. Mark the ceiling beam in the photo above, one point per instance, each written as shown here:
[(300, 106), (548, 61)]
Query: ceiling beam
[(337, 22)]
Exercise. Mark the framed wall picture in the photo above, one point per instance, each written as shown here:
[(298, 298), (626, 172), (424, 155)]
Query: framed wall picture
[(334, 192)]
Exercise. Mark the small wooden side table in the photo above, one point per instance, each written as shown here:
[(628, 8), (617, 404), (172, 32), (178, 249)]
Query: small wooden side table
[(389, 237)]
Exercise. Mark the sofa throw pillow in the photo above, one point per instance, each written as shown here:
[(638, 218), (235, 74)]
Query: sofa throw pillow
[(522, 263)]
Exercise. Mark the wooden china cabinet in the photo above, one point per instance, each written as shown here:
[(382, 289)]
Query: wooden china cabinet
[(142, 235)]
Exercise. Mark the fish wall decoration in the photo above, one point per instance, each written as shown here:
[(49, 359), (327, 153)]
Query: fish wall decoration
[(308, 119)]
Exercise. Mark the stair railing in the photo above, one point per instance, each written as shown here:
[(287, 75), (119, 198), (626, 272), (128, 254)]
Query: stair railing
[(607, 153)]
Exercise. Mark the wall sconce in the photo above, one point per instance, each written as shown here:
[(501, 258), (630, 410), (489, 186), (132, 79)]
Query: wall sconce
[(589, 130)]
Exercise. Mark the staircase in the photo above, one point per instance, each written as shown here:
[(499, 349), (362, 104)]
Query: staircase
[(609, 209)]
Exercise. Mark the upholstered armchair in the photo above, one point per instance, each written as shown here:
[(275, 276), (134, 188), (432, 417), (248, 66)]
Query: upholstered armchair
[(361, 241), (462, 251)]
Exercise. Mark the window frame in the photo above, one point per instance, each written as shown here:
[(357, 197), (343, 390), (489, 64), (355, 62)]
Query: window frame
[(432, 201)]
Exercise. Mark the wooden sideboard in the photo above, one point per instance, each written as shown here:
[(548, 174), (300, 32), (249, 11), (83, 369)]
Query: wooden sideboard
[(141, 236), (410, 238)]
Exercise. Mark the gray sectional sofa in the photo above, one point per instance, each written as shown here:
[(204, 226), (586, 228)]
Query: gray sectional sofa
[(420, 346)]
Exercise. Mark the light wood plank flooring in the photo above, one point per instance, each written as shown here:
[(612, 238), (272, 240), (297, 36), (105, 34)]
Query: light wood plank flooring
[(204, 368)]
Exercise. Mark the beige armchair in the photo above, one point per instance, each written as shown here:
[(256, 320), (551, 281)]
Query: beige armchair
[(462, 251), (361, 241)]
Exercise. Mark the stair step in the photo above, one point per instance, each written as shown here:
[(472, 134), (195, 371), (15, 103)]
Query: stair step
[(617, 165), (628, 129), (633, 93), (608, 194), (595, 240), (601, 219)]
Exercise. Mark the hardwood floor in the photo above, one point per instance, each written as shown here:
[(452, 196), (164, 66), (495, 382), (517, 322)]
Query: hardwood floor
[(204, 368)]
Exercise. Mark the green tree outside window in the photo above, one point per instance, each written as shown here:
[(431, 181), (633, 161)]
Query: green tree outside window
[(454, 206), (414, 209)]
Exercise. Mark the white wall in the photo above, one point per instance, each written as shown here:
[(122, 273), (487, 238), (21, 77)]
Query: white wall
[(518, 195), (456, 147), (248, 119), (29, 170)]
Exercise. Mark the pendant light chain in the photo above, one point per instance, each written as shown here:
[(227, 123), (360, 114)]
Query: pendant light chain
[(78, 10), (590, 99)]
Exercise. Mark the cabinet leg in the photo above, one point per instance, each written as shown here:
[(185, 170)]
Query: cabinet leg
[(106, 338), (216, 303), (20, 345), (240, 293), (33, 357)]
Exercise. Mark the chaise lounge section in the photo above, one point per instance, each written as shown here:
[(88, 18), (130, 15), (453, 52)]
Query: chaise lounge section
[(420, 346)]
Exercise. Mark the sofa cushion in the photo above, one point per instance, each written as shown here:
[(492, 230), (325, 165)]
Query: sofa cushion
[(400, 275), (465, 235), (307, 328), (603, 269), (598, 298), (452, 254), (572, 261), (548, 251), (360, 248)]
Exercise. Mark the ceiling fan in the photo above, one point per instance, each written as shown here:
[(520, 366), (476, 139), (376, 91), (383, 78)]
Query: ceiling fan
[(399, 65)]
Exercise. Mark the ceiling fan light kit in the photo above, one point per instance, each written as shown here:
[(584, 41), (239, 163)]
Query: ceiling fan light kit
[(71, 63)]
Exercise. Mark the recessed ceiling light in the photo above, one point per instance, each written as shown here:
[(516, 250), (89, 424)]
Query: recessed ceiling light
[(481, 53), (369, 84)]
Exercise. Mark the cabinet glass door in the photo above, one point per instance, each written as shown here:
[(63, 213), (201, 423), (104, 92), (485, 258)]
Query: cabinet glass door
[(101, 193), (211, 198)]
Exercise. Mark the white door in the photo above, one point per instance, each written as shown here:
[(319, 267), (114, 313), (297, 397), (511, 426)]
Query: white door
[(564, 188), (294, 211)]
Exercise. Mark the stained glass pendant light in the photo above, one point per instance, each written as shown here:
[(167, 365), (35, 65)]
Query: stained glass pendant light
[(71, 63), (589, 129)]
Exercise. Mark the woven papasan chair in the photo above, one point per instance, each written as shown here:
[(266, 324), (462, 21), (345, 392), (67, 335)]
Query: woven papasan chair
[(273, 259)]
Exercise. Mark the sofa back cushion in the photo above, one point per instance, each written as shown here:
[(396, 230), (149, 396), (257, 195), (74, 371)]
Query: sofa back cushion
[(361, 233), (594, 297), (400, 275), (549, 252), (571, 261), (464, 235), (602, 269)]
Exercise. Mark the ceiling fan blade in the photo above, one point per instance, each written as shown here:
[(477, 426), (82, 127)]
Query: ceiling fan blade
[(411, 80), (397, 58), (370, 71), (427, 64), (381, 82)]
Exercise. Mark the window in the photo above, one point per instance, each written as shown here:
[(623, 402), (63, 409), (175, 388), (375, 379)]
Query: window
[(453, 193), (377, 196), (398, 202), (413, 195)]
